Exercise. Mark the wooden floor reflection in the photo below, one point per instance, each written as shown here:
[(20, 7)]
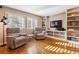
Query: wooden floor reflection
[(46, 46)]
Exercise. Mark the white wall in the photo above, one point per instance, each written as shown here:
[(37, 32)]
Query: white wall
[(1, 33), (61, 16)]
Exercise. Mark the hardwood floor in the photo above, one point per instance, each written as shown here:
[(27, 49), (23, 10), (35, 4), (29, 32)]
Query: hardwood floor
[(46, 46)]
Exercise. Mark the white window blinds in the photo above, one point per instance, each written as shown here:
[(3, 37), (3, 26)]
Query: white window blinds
[(16, 21), (31, 22)]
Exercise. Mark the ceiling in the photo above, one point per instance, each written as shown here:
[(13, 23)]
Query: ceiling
[(42, 10)]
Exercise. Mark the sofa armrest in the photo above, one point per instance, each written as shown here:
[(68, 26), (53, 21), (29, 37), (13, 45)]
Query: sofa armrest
[(13, 37), (11, 41)]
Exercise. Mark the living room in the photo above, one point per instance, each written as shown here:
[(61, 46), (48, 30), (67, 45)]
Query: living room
[(39, 29)]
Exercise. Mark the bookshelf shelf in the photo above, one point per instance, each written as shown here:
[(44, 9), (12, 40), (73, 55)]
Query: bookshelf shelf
[(73, 16)]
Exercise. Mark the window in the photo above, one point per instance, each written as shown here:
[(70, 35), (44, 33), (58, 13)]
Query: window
[(31, 22), (16, 21)]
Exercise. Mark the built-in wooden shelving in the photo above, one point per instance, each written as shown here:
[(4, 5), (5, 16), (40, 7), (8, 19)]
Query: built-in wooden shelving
[(56, 34), (73, 23), (73, 18)]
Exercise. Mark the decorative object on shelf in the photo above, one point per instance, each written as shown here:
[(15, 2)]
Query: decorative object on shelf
[(72, 14), (70, 29), (74, 23), (3, 20)]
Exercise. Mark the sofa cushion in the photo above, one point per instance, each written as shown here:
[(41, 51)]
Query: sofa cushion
[(20, 39), (22, 34), (15, 35)]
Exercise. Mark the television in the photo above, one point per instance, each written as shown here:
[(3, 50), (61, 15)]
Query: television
[(56, 24)]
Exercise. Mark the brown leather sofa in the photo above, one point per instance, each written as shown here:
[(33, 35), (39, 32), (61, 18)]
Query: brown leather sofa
[(15, 39)]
